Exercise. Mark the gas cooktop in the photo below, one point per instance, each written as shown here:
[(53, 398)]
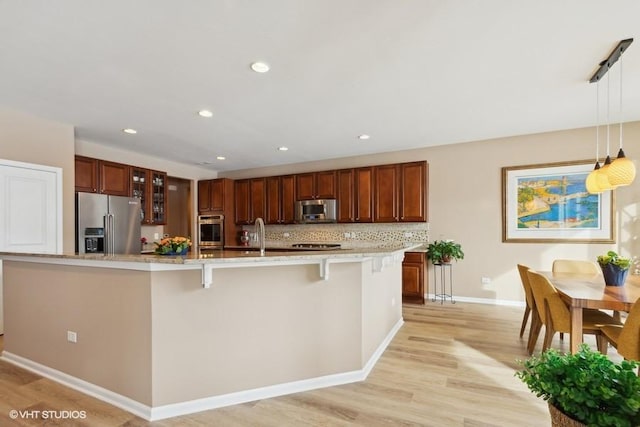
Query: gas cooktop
[(316, 246)]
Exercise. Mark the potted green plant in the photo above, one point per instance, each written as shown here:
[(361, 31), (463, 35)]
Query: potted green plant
[(443, 251), (587, 387), (614, 268)]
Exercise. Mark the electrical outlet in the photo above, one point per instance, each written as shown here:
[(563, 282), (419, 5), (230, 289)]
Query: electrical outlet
[(347, 235), (156, 236), (72, 336), (408, 234), (486, 280), (285, 234)]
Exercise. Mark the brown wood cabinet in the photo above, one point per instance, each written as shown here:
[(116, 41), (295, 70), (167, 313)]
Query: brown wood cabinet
[(250, 198), (413, 277), (401, 192), (414, 186), (280, 199), (355, 194), (151, 188), (101, 176), (316, 185), (215, 195), (387, 186)]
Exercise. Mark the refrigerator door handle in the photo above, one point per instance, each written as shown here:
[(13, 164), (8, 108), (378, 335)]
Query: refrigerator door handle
[(109, 236)]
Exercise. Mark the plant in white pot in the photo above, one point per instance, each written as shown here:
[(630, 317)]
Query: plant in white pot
[(587, 387), (614, 268)]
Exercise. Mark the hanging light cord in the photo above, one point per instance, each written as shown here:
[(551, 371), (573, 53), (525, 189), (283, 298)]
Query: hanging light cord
[(608, 91), (620, 66), (597, 121)]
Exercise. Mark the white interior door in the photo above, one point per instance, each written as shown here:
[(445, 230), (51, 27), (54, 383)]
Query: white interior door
[(30, 208)]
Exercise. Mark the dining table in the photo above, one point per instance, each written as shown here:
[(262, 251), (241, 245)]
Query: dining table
[(580, 291)]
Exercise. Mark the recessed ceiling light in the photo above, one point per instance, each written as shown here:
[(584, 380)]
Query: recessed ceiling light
[(205, 113), (130, 131), (283, 148), (221, 158), (364, 136), (260, 67)]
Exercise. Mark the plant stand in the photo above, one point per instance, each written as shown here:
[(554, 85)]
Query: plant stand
[(441, 270)]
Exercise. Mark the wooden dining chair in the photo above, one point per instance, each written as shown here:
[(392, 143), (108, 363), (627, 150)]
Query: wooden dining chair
[(575, 266), (626, 338), (556, 317), (530, 307)]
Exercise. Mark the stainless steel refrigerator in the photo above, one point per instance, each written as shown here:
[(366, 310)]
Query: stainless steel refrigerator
[(107, 224)]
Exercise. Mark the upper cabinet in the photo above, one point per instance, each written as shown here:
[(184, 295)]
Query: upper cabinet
[(414, 187), (316, 185), (151, 188), (280, 199), (355, 194), (401, 192), (101, 176), (249, 200), (117, 179), (215, 195), (387, 185)]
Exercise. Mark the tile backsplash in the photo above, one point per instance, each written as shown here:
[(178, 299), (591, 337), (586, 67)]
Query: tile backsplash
[(348, 235)]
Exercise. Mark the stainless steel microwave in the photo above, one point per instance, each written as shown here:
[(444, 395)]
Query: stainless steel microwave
[(316, 211)]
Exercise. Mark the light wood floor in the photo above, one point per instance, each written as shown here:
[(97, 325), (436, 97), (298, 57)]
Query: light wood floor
[(449, 365)]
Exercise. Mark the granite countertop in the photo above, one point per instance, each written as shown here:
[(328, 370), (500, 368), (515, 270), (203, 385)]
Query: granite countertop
[(196, 257)]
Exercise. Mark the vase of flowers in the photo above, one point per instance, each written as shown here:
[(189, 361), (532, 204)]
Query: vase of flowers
[(176, 245)]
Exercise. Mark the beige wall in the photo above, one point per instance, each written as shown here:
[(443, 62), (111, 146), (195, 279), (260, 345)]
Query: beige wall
[(31, 139), (465, 202), (110, 310)]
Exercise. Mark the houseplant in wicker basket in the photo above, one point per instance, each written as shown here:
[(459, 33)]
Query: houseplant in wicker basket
[(585, 388)]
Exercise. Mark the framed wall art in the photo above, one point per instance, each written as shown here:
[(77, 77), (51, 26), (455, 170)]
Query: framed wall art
[(549, 203)]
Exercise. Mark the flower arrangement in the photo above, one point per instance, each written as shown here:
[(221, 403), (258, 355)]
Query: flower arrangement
[(176, 245)]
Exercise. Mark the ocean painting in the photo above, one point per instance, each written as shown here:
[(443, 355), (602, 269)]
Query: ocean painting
[(557, 202), (549, 202)]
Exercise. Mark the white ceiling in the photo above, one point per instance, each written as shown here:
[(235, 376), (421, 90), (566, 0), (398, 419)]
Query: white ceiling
[(411, 73)]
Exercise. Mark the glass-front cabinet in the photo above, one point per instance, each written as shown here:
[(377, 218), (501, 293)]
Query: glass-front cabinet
[(151, 188)]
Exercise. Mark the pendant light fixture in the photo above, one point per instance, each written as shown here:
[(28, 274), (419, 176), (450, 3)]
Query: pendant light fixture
[(600, 179), (596, 181), (622, 171), (605, 184)]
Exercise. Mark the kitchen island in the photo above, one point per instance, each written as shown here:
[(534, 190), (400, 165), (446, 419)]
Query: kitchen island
[(162, 336)]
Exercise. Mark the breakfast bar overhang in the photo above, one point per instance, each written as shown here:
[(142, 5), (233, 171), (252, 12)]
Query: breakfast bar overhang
[(166, 336)]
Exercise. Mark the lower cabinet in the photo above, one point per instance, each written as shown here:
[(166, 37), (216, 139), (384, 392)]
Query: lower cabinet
[(413, 277)]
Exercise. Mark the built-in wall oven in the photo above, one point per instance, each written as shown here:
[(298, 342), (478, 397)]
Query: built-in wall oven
[(211, 231)]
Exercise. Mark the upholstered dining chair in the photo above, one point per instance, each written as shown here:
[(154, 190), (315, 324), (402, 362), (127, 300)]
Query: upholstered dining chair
[(556, 317), (575, 266), (626, 338)]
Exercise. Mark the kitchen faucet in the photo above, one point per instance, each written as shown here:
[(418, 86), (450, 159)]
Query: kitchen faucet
[(260, 234)]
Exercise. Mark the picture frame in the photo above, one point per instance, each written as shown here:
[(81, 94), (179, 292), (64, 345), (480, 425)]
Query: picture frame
[(549, 203)]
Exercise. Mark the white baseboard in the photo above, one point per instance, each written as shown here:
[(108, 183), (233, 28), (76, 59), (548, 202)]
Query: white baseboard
[(505, 302), (207, 403), (85, 387)]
